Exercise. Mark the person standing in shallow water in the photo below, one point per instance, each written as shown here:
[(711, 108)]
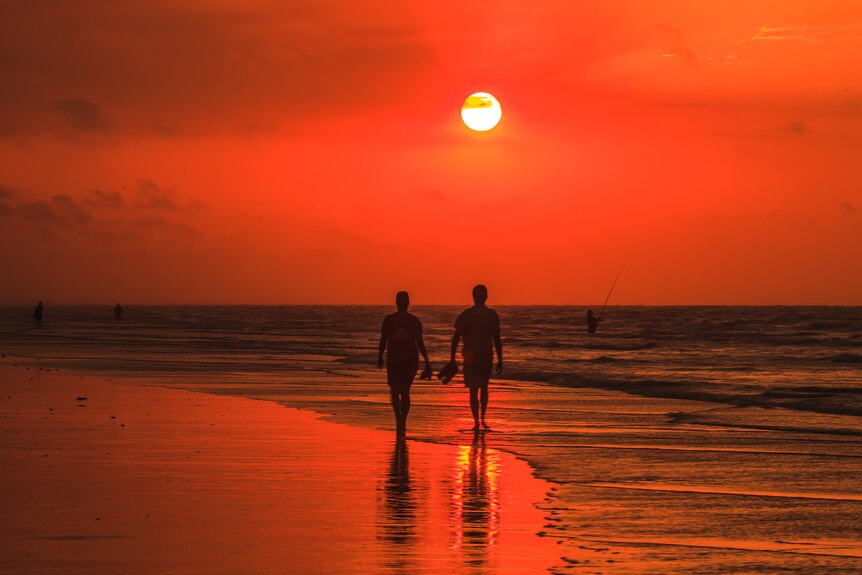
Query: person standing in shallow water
[(118, 312), (37, 314), (401, 339), (480, 328), (592, 322)]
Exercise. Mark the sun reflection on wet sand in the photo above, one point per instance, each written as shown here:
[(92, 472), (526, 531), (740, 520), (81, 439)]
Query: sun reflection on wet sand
[(474, 512)]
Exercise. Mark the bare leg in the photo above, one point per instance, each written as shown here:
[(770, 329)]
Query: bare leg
[(474, 406), (396, 406), (401, 416), (484, 405), (405, 409)]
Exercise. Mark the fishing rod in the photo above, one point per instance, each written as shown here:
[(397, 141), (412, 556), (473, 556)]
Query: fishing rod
[(601, 313)]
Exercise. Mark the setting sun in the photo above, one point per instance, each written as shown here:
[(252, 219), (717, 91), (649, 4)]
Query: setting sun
[(481, 111)]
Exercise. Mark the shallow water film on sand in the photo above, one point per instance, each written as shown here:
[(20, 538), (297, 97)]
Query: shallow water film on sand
[(680, 439)]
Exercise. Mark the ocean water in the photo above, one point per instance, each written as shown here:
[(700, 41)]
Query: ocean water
[(800, 358), (680, 439)]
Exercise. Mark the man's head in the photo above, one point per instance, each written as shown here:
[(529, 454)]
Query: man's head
[(402, 300), (480, 294)]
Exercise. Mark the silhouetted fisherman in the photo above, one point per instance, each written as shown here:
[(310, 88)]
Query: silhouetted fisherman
[(37, 314), (401, 339), (592, 322), (118, 312), (480, 328)]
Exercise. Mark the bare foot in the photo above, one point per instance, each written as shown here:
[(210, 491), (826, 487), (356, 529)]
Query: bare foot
[(486, 427), (475, 427)]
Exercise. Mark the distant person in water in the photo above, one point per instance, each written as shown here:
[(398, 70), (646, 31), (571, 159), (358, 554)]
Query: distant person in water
[(479, 326), (592, 322), (401, 339), (118, 312), (37, 314)]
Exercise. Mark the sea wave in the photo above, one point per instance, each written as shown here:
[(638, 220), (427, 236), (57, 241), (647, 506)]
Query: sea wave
[(845, 358)]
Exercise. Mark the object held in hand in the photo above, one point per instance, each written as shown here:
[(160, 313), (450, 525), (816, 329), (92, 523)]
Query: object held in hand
[(426, 373), (448, 372)]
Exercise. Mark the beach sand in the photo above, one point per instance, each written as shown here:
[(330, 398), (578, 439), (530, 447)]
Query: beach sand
[(642, 486), (144, 479)]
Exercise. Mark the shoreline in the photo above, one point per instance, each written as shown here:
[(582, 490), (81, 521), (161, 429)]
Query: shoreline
[(147, 479), (641, 446)]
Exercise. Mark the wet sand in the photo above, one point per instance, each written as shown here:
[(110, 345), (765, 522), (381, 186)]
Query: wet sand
[(143, 479), (643, 485)]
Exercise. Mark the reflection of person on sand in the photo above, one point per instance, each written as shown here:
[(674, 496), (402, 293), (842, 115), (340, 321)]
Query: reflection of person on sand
[(37, 314), (480, 328), (399, 499), (118, 312), (592, 322), (401, 339)]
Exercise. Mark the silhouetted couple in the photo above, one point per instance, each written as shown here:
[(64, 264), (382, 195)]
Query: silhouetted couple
[(401, 339)]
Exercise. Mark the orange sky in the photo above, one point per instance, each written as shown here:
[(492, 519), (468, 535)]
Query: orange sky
[(242, 151)]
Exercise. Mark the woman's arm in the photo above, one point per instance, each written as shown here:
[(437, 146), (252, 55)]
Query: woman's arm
[(384, 337)]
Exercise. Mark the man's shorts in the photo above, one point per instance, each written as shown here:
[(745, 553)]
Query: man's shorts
[(477, 375)]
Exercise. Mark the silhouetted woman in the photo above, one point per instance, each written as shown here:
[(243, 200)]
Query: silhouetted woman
[(401, 339)]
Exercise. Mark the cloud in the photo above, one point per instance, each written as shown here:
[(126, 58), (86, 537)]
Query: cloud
[(673, 44), (83, 115), (173, 68), (103, 214), (151, 196), (429, 194), (795, 128), (784, 32), (848, 208), (60, 211), (101, 199)]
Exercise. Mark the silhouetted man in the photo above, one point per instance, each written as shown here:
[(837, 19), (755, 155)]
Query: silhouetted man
[(592, 322), (118, 312), (401, 339), (37, 314), (480, 328)]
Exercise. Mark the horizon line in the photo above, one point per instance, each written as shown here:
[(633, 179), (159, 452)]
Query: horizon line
[(29, 303)]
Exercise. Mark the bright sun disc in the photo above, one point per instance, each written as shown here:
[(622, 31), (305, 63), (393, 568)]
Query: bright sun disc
[(481, 111)]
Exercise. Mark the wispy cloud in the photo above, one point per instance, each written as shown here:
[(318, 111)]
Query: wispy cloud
[(795, 128), (84, 115), (100, 212), (804, 33), (151, 196), (430, 194), (673, 44), (60, 211), (170, 68)]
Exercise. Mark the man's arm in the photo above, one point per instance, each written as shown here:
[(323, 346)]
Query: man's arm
[(384, 337), (455, 339)]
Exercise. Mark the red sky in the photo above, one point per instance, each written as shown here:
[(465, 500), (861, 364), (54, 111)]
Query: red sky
[(242, 151)]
